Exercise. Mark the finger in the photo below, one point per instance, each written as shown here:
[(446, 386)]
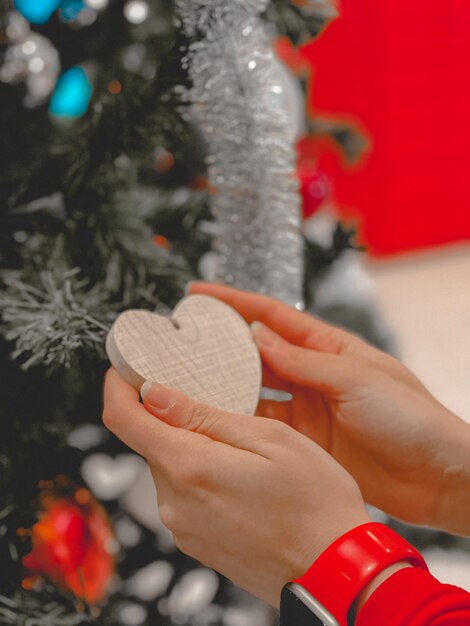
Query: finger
[(276, 397), (270, 380), (129, 420), (239, 431), (301, 366), (279, 411), (296, 327)]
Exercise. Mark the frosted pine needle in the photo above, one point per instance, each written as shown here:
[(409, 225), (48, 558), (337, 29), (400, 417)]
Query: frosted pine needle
[(50, 322)]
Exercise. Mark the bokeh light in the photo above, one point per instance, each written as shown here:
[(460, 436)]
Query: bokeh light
[(97, 4), (37, 11), (136, 11), (72, 94)]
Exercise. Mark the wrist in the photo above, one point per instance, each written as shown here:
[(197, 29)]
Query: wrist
[(345, 575), (310, 548), (453, 497)]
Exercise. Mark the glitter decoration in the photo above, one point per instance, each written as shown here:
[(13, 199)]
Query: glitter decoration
[(240, 106)]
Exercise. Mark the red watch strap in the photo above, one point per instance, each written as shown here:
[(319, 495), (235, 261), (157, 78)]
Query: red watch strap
[(342, 571)]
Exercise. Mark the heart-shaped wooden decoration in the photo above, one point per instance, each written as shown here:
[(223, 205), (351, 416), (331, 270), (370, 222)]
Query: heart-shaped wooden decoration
[(204, 349)]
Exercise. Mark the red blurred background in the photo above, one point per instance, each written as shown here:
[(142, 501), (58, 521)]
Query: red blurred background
[(401, 70)]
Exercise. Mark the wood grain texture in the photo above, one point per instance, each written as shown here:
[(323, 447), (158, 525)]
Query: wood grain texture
[(204, 349)]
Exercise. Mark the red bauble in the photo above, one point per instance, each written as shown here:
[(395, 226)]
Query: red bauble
[(72, 544), (315, 187), (291, 55)]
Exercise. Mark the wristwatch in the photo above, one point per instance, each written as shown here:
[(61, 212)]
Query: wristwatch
[(324, 595)]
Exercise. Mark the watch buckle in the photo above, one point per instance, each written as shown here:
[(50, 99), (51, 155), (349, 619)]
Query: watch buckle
[(313, 604)]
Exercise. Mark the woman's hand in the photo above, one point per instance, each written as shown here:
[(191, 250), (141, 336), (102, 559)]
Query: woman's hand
[(246, 496), (409, 455)]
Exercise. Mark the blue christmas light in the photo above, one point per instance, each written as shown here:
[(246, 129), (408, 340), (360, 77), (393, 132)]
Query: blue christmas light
[(37, 11), (72, 94), (71, 8)]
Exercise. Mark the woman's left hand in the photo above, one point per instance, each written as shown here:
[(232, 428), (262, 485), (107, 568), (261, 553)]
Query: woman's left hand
[(247, 496)]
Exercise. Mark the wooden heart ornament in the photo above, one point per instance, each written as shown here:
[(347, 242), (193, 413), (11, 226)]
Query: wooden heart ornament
[(204, 349)]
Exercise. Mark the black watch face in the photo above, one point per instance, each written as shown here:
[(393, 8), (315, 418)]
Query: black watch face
[(299, 608)]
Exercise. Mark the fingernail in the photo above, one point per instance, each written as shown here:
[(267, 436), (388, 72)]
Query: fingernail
[(263, 335), (156, 395)]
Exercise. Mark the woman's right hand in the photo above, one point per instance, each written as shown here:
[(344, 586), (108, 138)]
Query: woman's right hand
[(408, 453)]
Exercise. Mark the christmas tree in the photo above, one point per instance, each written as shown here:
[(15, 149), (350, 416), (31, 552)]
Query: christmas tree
[(144, 144)]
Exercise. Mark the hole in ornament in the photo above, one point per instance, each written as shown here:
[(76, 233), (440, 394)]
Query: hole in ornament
[(275, 395), (176, 324)]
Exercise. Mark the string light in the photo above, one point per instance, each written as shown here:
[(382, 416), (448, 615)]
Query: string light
[(136, 11), (115, 87), (37, 12), (97, 4), (72, 94)]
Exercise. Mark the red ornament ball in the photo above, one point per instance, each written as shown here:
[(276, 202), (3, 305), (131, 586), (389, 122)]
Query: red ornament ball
[(315, 187), (72, 544)]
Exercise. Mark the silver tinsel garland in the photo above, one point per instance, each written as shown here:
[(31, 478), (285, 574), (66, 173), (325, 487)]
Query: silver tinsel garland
[(240, 105)]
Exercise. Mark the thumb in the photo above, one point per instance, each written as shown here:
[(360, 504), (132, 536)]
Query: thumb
[(178, 410), (302, 366)]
